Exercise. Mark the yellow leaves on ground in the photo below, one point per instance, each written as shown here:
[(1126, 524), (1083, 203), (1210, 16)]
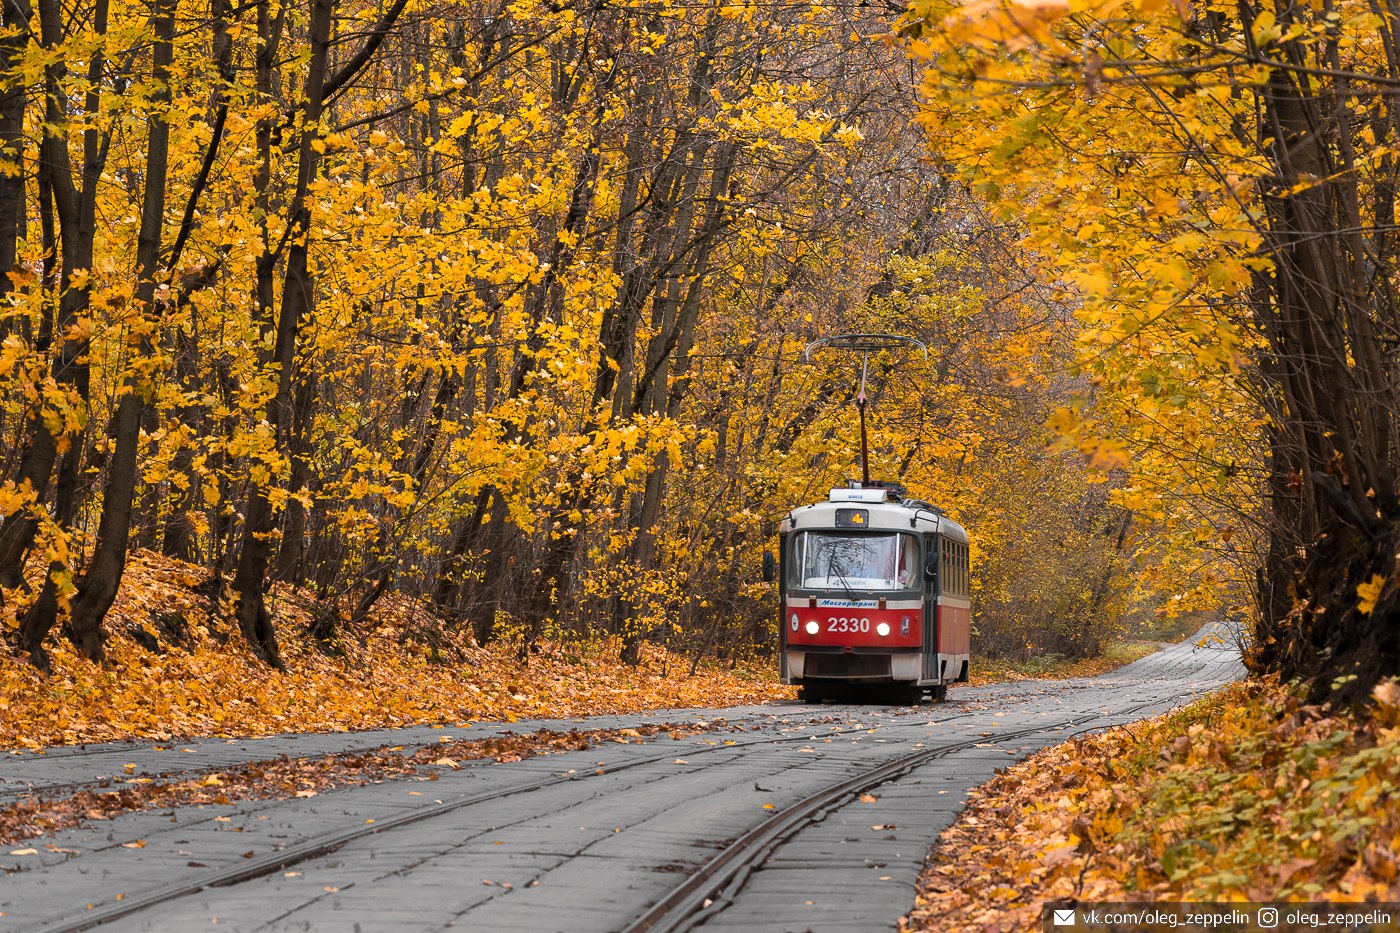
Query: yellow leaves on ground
[(1245, 795), (384, 678)]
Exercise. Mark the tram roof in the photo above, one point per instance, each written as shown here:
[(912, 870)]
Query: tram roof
[(883, 514)]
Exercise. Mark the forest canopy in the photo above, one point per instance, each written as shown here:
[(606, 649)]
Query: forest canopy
[(500, 306), (1219, 182)]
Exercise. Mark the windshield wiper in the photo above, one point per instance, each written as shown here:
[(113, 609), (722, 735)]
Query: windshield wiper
[(840, 577)]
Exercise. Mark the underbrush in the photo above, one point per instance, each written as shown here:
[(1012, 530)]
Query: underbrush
[(176, 671), (1115, 655), (1245, 795)]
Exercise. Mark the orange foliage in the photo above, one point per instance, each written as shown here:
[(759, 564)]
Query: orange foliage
[(397, 671)]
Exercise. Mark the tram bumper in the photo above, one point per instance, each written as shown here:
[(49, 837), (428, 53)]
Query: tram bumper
[(853, 667)]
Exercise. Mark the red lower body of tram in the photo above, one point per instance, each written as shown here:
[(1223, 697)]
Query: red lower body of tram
[(837, 648)]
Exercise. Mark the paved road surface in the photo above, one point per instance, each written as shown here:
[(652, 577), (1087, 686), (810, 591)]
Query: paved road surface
[(583, 841)]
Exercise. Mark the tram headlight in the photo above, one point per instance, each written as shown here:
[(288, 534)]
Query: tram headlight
[(883, 629), (813, 627)]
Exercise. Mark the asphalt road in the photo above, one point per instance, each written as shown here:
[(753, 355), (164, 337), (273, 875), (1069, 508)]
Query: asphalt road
[(581, 841)]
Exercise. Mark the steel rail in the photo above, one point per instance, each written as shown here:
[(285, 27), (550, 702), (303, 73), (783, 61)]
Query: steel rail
[(113, 782), (18, 792), (259, 866), (716, 882)]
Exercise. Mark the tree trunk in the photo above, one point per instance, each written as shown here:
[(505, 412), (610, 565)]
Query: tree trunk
[(98, 587), (1332, 484), (297, 297), (76, 211)]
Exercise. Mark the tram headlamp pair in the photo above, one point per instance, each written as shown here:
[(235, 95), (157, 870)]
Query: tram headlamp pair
[(814, 627)]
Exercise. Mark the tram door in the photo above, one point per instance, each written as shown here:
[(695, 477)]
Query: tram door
[(932, 565), (783, 673)]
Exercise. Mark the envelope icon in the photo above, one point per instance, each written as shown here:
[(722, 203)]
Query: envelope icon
[(1064, 917)]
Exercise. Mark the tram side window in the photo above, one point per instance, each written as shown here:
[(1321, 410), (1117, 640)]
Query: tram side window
[(948, 573), (952, 569), (956, 573)]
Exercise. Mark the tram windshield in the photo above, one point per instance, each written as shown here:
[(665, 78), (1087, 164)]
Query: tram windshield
[(824, 560)]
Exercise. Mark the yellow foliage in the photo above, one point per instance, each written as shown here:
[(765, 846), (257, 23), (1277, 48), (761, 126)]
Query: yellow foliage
[(1038, 107)]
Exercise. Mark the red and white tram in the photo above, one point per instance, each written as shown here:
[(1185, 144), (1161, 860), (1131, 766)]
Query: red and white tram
[(873, 589)]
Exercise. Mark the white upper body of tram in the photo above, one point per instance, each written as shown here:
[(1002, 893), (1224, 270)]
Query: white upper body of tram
[(873, 589)]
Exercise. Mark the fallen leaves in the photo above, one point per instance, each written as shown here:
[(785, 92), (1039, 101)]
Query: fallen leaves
[(306, 777), (1246, 795), (214, 687)]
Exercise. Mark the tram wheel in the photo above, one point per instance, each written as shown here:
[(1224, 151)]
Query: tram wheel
[(813, 694), (904, 696), (940, 693)]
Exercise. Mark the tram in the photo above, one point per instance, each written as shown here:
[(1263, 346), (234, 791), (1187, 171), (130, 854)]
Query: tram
[(873, 591)]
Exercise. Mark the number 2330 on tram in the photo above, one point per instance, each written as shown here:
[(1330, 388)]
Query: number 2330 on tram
[(873, 591)]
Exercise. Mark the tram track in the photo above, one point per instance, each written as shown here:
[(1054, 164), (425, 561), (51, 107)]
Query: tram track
[(119, 777), (707, 891), (561, 864), (116, 781), (260, 866)]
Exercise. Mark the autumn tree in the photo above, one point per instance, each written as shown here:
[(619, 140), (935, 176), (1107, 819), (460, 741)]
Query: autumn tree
[(1229, 170), (499, 306)]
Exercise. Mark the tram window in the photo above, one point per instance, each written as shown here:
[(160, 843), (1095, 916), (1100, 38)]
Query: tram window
[(860, 562), (955, 574), (908, 562)]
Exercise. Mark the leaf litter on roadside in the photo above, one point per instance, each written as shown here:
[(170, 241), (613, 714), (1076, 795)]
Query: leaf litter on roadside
[(381, 674), (1246, 795), (307, 777)]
